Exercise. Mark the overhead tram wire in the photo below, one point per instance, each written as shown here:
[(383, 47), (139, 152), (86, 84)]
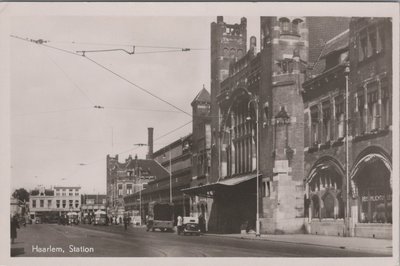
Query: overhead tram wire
[(43, 43), (130, 45)]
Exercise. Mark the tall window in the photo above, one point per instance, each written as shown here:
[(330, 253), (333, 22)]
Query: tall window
[(58, 204), (33, 203), (49, 203), (361, 112), (76, 203), (326, 110), (371, 42), (71, 204), (314, 125), (41, 203), (372, 98), (363, 46), (120, 191), (64, 203), (71, 193), (64, 193), (339, 114), (129, 189), (241, 144), (386, 104)]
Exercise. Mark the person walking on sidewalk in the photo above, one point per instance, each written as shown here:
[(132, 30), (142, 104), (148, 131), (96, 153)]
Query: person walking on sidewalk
[(179, 224), (13, 226)]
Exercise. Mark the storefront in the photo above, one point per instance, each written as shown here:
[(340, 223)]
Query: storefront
[(372, 191), (325, 198)]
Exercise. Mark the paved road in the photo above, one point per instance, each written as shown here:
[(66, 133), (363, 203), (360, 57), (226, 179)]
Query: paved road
[(113, 241)]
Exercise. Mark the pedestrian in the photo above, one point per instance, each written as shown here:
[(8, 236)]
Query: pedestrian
[(202, 223), (179, 224), (149, 222), (126, 220), (14, 225)]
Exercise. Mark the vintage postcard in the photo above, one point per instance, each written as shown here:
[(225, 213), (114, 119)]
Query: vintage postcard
[(136, 131)]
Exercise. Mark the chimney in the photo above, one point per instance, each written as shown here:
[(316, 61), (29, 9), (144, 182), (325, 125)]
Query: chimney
[(149, 155)]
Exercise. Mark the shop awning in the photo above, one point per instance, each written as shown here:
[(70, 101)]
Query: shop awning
[(209, 189)]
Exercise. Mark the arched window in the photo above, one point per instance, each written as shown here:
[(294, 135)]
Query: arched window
[(295, 25), (232, 53), (284, 24)]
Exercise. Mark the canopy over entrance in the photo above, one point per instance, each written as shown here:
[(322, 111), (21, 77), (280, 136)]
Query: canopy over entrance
[(208, 190)]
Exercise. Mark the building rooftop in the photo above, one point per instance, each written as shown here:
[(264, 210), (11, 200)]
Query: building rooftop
[(203, 96), (338, 43)]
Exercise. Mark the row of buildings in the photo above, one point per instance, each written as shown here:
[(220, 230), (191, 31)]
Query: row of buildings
[(295, 136), (48, 204)]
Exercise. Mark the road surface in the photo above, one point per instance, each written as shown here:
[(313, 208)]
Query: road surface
[(52, 240)]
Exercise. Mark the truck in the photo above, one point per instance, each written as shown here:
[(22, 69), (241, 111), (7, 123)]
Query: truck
[(160, 216)]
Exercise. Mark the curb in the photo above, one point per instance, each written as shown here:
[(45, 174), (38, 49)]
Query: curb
[(376, 251)]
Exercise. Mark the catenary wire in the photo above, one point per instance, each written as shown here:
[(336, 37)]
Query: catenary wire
[(105, 68)]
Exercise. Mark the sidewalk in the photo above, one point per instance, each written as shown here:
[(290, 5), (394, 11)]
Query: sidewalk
[(378, 246)]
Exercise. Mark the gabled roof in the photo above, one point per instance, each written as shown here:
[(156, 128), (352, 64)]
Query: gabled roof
[(338, 43), (203, 96), (150, 166)]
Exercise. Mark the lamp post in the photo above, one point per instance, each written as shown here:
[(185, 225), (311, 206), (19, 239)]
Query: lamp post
[(346, 73), (255, 100)]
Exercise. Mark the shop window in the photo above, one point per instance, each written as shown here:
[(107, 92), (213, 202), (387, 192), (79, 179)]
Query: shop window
[(375, 194), (315, 206), (329, 206), (326, 111), (33, 203)]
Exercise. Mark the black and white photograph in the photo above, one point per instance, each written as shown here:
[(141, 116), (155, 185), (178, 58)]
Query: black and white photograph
[(153, 130)]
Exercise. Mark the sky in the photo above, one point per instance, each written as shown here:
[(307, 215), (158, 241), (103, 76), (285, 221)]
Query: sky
[(57, 137)]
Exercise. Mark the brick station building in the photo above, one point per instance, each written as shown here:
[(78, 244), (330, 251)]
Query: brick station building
[(287, 100)]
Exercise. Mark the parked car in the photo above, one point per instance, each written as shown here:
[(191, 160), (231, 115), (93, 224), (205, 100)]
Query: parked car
[(191, 226)]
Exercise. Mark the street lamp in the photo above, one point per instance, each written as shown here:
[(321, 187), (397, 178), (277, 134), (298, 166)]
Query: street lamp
[(346, 73), (255, 100)]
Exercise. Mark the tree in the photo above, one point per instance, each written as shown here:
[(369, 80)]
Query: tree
[(21, 194)]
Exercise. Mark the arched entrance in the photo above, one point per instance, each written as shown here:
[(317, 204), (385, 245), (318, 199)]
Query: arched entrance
[(324, 187), (371, 181)]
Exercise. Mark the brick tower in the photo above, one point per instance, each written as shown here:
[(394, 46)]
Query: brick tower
[(284, 44), (228, 44)]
